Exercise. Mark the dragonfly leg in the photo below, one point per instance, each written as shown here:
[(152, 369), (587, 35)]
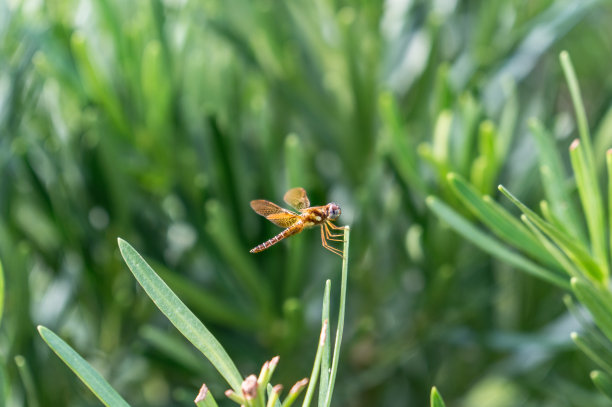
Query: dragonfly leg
[(332, 236), (335, 226), (328, 246)]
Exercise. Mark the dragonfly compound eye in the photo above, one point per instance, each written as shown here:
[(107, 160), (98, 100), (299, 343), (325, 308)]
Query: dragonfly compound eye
[(333, 211)]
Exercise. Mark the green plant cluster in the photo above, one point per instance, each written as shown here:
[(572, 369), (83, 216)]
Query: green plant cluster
[(158, 121)]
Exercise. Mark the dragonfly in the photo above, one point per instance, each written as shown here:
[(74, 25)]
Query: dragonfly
[(306, 217)]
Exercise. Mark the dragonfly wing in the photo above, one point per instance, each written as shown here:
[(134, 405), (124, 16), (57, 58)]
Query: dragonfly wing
[(274, 213), (297, 198)]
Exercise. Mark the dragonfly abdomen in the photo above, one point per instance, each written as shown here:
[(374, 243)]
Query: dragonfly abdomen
[(292, 230)]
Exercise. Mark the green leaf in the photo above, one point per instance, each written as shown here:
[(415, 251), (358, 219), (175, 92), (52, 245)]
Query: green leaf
[(588, 189), (603, 382), (180, 316), (583, 127), (490, 245), (470, 112), (484, 167), (316, 367), (90, 377), (554, 182), (341, 312), (576, 252), (1, 292), (597, 349), (499, 220), (205, 398), (273, 400), (325, 357), (598, 301), (436, 398), (567, 265), (609, 168), (396, 143), (594, 348), (28, 381)]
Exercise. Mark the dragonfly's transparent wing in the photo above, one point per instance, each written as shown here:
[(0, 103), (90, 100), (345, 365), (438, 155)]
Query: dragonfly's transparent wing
[(274, 213), (297, 198)]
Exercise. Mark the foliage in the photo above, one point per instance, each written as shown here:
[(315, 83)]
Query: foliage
[(556, 239), (159, 121)]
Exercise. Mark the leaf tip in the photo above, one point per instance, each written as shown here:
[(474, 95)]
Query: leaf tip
[(202, 394), (574, 144)]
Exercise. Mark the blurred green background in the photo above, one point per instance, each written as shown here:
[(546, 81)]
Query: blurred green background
[(158, 121)]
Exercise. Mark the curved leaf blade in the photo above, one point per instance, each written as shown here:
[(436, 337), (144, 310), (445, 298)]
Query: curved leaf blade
[(491, 245), (88, 375), (181, 317)]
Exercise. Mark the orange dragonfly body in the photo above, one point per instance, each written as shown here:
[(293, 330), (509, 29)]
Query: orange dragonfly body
[(294, 223)]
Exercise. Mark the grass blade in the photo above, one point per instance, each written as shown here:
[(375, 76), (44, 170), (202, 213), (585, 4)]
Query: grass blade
[(554, 183), (323, 386), (340, 328), (436, 398), (567, 265), (1, 292), (576, 252), (583, 127), (28, 381), (90, 377), (180, 316), (498, 220), (609, 168), (598, 301), (603, 382), (205, 398), (592, 350), (588, 189), (312, 382), (492, 246)]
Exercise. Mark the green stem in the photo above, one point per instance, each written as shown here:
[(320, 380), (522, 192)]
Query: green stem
[(340, 329), (312, 383)]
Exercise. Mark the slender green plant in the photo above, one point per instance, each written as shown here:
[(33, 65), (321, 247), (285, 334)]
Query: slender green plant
[(253, 390), (553, 244)]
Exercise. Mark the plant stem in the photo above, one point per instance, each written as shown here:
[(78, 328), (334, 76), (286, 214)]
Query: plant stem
[(340, 329)]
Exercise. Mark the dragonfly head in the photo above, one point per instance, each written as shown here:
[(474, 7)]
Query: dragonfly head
[(333, 211)]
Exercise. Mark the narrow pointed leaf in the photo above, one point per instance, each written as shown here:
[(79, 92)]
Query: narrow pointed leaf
[(552, 174), (577, 253), (603, 382), (325, 357), (88, 375), (491, 245), (499, 220), (341, 312), (598, 301), (436, 399), (180, 316), (588, 189), (205, 398), (592, 350), (567, 265)]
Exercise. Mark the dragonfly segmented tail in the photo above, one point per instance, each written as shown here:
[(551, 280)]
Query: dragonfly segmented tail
[(285, 233)]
